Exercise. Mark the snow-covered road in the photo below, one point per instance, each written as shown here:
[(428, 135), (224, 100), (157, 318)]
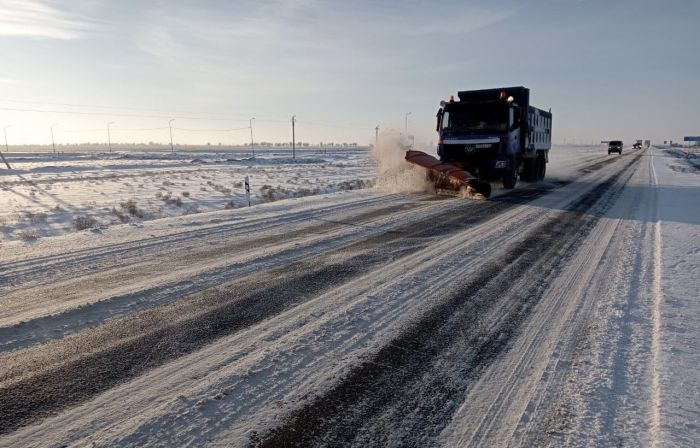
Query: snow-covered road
[(559, 313)]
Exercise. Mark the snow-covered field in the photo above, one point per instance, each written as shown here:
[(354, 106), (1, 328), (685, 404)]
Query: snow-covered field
[(346, 307), (46, 195)]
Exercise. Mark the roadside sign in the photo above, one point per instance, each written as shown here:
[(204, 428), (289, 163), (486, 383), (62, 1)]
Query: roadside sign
[(691, 139)]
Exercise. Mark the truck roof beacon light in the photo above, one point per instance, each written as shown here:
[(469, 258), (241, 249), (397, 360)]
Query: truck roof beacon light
[(452, 98)]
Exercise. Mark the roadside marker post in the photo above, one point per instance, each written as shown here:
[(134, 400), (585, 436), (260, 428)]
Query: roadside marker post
[(247, 190), (5, 160), (7, 148)]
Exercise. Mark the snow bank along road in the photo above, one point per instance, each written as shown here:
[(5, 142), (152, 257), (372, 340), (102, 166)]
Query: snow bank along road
[(354, 319)]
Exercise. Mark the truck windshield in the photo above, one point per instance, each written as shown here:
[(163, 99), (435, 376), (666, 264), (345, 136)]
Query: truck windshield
[(476, 117)]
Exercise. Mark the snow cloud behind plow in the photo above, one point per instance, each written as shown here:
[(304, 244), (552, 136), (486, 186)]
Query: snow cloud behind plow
[(395, 175)]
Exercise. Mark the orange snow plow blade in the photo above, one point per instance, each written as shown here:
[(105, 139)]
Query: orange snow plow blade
[(449, 176)]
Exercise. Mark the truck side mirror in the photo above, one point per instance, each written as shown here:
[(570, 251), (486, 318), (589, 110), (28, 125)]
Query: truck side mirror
[(516, 123), (439, 119), (516, 118)]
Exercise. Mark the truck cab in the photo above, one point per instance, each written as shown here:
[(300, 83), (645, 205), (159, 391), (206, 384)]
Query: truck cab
[(615, 146)]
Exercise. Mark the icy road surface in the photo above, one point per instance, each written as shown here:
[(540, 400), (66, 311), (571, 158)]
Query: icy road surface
[(563, 313)]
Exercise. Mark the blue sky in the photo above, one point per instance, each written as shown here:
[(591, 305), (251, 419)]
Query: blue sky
[(608, 69)]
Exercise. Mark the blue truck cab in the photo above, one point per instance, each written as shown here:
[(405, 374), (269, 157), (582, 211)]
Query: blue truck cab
[(495, 133)]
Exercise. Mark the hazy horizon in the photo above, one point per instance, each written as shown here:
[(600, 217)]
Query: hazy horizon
[(624, 70)]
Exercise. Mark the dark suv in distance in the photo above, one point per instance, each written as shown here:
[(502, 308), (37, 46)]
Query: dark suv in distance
[(615, 146)]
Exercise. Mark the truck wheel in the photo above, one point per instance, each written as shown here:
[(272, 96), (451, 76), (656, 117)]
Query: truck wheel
[(529, 170), (510, 177), (541, 168)]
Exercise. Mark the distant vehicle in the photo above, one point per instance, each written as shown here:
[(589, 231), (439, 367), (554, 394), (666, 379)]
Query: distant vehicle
[(637, 144), (647, 143), (615, 146)]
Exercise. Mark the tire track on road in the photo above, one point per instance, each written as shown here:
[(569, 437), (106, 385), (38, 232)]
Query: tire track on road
[(405, 394), (39, 382), (121, 254)]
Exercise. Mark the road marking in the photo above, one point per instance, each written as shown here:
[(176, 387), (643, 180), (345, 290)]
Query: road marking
[(656, 318)]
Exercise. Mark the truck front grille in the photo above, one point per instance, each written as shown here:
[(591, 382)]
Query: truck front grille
[(479, 151)]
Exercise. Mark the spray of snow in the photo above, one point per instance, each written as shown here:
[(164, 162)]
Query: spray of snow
[(395, 175)]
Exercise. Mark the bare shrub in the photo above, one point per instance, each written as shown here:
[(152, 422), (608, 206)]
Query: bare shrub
[(170, 200), (35, 217), (355, 184), (192, 209), (122, 217), (231, 205), (5, 225), (185, 194), (84, 222), (267, 193), (27, 235), (131, 208)]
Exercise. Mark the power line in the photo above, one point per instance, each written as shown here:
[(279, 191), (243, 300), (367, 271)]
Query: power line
[(140, 129), (60, 131), (340, 126), (110, 114), (211, 130), (182, 117), (97, 106)]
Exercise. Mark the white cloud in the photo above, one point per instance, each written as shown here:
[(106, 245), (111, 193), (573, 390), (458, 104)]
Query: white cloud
[(40, 19)]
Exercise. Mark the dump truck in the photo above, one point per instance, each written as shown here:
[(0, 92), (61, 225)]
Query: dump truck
[(486, 135)]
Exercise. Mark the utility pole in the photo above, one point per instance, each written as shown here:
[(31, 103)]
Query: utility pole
[(7, 148), (252, 146), (53, 143), (376, 135), (109, 137), (294, 140), (170, 125)]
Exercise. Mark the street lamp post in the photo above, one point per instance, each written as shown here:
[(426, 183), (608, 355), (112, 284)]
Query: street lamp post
[(109, 137), (170, 125), (252, 145), (53, 142), (294, 140), (7, 148), (406, 124)]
